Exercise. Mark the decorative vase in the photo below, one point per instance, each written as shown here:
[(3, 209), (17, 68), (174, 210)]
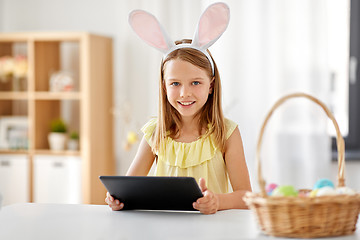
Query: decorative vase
[(73, 144), (19, 84), (57, 141)]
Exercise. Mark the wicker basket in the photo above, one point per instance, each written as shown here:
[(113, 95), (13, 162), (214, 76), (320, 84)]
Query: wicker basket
[(305, 217)]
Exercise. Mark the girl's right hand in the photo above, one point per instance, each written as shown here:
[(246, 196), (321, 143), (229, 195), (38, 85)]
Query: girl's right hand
[(114, 204)]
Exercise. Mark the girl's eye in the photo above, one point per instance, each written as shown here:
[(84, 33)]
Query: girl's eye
[(196, 83), (175, 84)]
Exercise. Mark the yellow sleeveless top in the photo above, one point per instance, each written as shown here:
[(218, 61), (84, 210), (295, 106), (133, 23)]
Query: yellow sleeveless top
[(197, 159)]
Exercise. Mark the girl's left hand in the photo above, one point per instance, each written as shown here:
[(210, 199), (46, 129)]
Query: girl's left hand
[(209, 203)]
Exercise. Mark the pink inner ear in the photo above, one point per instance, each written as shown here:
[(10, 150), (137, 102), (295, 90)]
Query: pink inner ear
[(213, 23), (148, 29)]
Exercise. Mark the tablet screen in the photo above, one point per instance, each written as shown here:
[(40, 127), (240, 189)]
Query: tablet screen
[(153, 193)]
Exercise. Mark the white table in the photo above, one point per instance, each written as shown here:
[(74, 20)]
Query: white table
[(62, 221)]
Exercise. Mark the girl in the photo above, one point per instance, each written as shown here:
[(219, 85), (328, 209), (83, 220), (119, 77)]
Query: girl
[(191, 137)]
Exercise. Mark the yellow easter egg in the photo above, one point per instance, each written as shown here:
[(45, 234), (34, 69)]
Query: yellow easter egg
[(313, 193), (132, 137)]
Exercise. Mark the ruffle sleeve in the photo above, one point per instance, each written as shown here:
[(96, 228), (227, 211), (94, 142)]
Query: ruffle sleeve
[(230, 127), (148, 129)]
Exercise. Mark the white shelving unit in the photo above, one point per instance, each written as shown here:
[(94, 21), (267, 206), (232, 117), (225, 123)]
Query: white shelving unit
[(87, 109)]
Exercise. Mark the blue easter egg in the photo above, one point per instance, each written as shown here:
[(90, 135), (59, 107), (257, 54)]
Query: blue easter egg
[(323, 183)]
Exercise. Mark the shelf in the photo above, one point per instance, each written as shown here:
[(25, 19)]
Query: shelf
[(40, 96), (57, 153), (57, 95), (10, 151), (87, 58), (13, 95), (41, 152), (44, 36)]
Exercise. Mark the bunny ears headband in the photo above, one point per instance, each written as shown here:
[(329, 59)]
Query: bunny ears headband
[(212, 24)]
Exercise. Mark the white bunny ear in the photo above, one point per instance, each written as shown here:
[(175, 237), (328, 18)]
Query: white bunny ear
[(212, 24), (148, 28)]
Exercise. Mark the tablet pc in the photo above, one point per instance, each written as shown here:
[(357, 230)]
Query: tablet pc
[(153, 193)]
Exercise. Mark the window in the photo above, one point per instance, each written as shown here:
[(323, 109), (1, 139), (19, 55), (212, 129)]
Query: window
[(352, 138)]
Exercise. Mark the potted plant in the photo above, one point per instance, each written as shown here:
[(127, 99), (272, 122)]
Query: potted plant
[(57, 136), (73, 143)]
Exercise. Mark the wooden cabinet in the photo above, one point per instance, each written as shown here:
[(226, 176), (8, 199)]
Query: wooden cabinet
[(86, 108), (14, 169), (47, 172)]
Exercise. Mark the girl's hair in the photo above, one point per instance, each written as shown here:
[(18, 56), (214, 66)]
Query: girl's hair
[(169, 119)]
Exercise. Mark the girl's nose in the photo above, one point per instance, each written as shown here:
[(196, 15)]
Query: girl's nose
[(185, 91)]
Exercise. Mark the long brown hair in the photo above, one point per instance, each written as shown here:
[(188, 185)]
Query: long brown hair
[(169, 119)]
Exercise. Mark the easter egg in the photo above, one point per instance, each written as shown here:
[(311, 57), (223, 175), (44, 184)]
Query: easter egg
[(270, 187), (286, 191), (326, 191), (132, 137), (314, 192), (345, 190), (323, 183), (303, 193)]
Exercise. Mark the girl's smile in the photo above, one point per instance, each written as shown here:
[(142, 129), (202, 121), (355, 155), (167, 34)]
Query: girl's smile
[(187, 86), (185, 104)]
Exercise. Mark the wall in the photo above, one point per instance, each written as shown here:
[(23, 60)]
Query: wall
[(1, 15)]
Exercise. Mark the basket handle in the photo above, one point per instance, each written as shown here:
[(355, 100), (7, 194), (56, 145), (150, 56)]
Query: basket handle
[(339, 139)]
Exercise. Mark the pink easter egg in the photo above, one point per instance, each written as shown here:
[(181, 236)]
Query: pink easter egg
[(270, 187)]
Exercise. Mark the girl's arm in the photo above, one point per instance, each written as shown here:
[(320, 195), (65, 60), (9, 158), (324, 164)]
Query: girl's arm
[(238, 173), (239, 178), (143, 160), (140, 166)]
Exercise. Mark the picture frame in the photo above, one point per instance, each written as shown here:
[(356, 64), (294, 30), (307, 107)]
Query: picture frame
[(61, 81), (14, 132)]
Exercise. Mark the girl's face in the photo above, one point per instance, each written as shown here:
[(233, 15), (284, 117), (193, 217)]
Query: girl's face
[(187, 86)]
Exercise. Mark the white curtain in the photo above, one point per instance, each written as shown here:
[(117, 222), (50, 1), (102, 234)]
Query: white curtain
[(273, 48)]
